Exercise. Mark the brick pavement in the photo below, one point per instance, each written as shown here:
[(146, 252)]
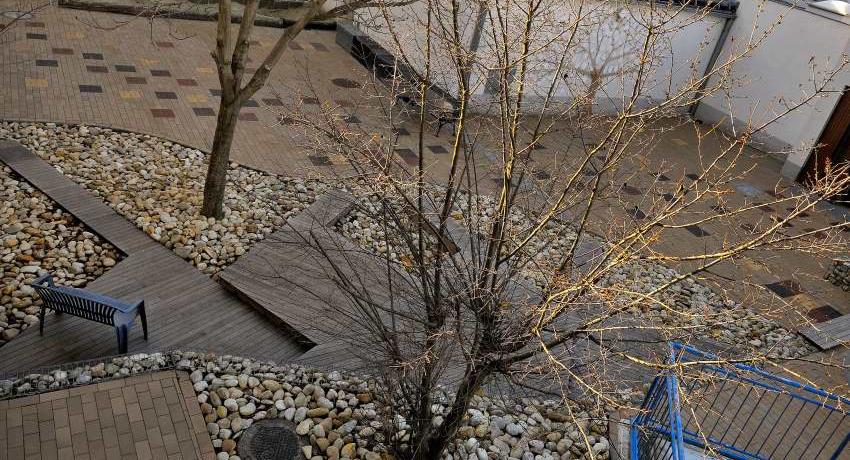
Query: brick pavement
[(158, 77), (148, 416)]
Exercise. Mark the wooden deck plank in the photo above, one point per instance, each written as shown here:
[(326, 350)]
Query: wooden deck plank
[(296, 283), (829, 334), (186, 309)]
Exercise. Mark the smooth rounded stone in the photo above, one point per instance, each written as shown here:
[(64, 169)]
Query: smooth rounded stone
[(318, 412), (513, 429), (200, 386), (332, 452), (228, 445), (213, 429), (349, 450), (9, 334), (536, 446), (237, 424), (248, 409), (324, 402), (301, 400), (271, 385), (347, 428), (304, 427), (222, 456), (231, 405)]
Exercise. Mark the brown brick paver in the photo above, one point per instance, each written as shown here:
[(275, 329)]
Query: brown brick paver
[(39, 428), (123, 79)]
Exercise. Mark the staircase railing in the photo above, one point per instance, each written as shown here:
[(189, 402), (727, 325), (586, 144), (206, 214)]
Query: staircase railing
[(704, 406)]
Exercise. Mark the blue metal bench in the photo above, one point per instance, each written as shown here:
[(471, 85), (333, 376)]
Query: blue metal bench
[(91, 306)]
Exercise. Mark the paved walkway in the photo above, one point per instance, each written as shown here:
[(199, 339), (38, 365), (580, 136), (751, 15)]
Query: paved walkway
[(144, 417), (185, 308), (158, 78)]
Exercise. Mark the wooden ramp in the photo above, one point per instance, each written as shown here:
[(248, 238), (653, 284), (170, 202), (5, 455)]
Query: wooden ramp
[(294, 277), (185, 308), (828, 334)]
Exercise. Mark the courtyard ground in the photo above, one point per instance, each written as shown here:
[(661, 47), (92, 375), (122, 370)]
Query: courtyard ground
[(77, 67)]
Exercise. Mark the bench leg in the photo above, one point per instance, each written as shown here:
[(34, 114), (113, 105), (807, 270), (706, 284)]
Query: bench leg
[(144, 319), (122, 339), (41, 320)]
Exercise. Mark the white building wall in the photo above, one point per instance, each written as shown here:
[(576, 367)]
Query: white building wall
[(680, 55), (778, 72)]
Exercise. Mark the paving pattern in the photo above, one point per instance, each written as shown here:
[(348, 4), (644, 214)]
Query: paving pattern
[(157, 77), (144, 417)]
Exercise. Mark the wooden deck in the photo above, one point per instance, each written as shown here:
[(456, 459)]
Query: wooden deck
[(829, 334), (186, 309), (292, 277)]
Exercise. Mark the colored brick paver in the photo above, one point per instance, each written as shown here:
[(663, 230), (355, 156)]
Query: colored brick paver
[(72, 72), (314, 73), (147, 416)]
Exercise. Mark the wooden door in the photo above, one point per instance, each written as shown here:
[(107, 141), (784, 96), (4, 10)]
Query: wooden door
[(833, 147)]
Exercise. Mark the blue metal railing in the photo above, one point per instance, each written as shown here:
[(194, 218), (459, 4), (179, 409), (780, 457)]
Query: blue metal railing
[(736, 411)]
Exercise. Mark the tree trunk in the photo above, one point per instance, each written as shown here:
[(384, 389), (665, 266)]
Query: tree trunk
[(435, 441), (228, 112)]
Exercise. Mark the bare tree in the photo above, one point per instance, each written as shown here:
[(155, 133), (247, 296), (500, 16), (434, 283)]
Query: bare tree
[(230, 56), (493, 272)]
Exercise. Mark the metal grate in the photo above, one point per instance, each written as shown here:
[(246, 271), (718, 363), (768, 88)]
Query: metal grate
[(270, 440)]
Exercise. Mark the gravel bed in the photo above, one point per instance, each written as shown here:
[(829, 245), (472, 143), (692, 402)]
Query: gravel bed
[(37, 238), (341, 415), (705, 312), (158, 185)]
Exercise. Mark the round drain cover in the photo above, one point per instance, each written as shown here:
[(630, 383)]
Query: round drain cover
[(17, 15), (270, 440)]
